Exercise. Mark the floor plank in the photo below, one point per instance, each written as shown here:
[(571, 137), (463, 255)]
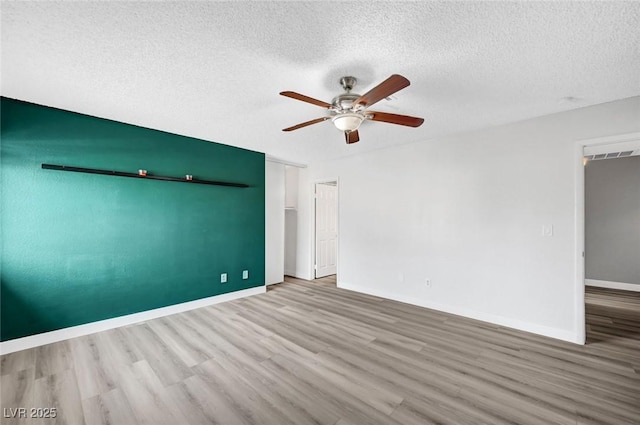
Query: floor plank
[(309, 353)]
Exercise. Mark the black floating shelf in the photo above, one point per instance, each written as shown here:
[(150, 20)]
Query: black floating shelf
[(138, 176)]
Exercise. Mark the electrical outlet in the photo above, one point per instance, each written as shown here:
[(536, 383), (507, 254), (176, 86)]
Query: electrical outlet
[(245, 274), (223, 278), (428, 283)]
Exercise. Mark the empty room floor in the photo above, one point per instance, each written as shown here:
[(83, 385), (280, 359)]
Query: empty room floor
[(310, 353)]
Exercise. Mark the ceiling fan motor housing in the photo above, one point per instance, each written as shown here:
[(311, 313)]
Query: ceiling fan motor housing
[(344, 102)]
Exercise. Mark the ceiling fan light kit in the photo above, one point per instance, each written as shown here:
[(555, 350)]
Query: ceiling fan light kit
[(348, 110), (348, 121)]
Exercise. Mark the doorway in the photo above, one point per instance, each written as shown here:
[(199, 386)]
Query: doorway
[(326, 229), (589, 150), (612, 215)]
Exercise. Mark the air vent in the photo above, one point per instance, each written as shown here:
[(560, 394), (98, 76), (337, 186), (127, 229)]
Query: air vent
[(612, 155)]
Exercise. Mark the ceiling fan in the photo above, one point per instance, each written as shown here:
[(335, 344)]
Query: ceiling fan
[(348, 110)]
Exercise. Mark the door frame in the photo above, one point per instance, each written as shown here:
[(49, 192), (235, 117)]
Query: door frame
[(335, 180), (580, 315)]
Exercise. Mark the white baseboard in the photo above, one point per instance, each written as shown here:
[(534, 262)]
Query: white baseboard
[(299, 275), (556, 333), (31, 341), (612, 285)]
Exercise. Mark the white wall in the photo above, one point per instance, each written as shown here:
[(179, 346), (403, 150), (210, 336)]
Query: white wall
[(467, 212), (274, 222), (291, 219), (291, 186)]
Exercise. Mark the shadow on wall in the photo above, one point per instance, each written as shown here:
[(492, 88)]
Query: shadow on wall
[(290, 241), (15, 307)]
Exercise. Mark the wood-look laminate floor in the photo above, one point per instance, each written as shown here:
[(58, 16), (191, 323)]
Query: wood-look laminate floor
[(309, 353)]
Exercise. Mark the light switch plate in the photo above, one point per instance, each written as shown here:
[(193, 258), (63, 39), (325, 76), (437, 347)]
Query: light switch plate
[(547, 230)]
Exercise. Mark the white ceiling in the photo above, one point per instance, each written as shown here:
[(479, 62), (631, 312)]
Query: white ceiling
[(213, 70)]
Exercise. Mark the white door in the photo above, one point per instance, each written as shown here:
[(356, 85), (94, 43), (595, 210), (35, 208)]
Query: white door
[(326, 229)]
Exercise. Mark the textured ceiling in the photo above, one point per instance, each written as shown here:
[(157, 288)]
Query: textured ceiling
[(213, 70)]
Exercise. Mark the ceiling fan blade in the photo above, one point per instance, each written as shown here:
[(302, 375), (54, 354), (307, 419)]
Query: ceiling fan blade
[(384, 89), (304, 124), (304, 98), (396, 119), (351, 136)]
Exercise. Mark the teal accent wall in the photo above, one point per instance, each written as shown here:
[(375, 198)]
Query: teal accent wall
[(78, 248)]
